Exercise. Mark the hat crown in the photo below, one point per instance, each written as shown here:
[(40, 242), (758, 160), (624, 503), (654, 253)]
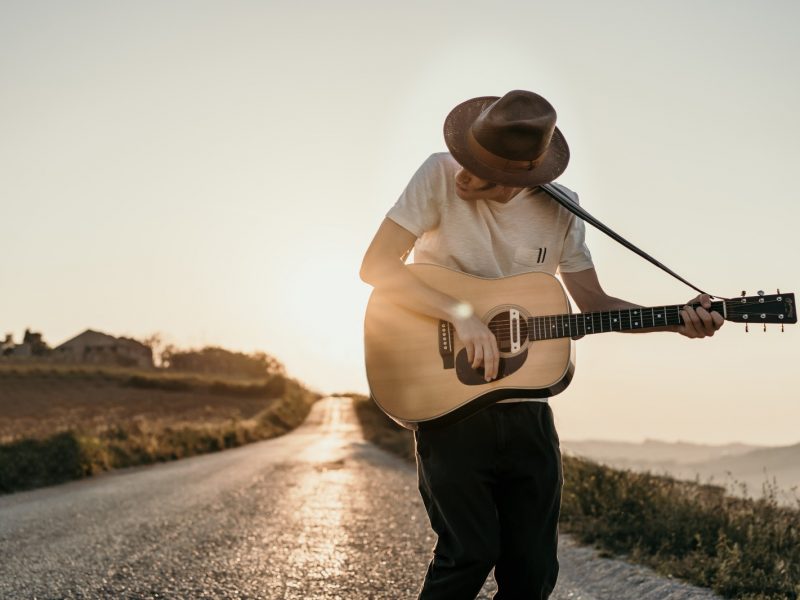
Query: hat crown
[(518, 126), (511, 140)]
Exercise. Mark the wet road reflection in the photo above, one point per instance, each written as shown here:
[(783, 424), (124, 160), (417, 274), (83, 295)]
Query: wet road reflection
[(323, 497)]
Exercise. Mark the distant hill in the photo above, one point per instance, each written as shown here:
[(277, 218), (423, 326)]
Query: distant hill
[(781, 465), (653, 451), (730, 464)]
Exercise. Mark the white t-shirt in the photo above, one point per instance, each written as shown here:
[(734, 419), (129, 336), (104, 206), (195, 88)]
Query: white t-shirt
[(530, 232)]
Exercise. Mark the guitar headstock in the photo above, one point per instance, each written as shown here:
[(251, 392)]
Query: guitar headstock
[(772, 308)]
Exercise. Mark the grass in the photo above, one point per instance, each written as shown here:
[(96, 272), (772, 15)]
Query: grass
[(36, 402), (381, 430), (740, 548), (59, 423)]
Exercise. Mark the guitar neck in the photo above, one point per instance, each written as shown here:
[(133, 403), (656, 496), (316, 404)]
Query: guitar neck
[(558, 326)]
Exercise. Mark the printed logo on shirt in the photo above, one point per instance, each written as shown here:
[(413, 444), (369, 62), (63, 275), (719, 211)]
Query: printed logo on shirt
[(530, 257)]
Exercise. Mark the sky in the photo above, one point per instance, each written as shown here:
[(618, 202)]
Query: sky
[(214, 171)]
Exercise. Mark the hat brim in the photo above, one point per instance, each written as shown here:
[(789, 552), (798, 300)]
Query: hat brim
[(456, 126)]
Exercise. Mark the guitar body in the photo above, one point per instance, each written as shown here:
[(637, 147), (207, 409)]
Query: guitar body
[(417, 368)]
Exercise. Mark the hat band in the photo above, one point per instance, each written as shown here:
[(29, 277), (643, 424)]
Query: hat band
[(494, 161)]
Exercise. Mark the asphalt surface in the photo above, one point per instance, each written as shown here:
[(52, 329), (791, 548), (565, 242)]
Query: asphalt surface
[(316, 514)]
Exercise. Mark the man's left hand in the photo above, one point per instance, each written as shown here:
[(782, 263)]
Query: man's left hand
[(699, 322)]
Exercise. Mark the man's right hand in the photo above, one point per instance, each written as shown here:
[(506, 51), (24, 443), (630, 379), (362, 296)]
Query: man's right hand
[(480, 343)]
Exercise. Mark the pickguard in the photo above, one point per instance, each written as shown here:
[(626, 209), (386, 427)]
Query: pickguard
[(469, 376)]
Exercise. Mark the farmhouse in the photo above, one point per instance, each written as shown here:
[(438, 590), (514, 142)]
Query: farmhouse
[(100, 348)]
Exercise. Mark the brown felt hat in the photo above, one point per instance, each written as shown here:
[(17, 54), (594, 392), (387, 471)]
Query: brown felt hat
[(511, 140)]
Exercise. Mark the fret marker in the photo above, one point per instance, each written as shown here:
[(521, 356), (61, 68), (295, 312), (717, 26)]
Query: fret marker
[(615, 320), (636, 323)]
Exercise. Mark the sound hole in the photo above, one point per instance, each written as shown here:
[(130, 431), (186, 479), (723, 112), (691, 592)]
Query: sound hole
[(502, 328)]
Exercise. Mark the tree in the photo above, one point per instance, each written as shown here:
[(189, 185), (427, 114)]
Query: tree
[(38, 346), (155, 341), (216, 360)]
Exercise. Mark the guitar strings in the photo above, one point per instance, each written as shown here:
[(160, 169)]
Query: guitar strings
[(501, 332), (568, 324), (579, 317), (549, 324), (605, 316)]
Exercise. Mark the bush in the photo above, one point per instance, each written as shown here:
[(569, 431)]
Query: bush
[(380, 429), (30, 463)]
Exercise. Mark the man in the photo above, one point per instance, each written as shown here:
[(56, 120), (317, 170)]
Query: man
[(491, 483)]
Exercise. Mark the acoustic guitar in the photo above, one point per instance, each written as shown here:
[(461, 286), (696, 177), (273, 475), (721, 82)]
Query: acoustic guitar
[(418, 370)]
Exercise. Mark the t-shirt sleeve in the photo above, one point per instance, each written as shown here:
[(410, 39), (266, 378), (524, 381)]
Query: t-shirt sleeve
[(418, 209), (575, 255)]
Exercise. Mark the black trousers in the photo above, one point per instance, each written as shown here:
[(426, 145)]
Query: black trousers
[(492, 487)]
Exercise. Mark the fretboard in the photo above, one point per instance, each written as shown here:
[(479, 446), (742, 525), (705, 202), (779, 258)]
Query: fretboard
[(558, 326)]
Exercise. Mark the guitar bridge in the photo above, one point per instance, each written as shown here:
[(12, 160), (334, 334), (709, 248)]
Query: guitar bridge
[(446, 345), (514, 330)]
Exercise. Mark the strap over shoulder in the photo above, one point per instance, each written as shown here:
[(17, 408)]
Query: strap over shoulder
[(564, 200)]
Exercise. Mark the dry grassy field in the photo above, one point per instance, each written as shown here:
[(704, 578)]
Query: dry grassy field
[(36, 402), (63, 422)]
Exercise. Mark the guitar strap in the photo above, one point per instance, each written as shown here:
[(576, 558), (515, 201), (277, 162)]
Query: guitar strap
[(564, 200)]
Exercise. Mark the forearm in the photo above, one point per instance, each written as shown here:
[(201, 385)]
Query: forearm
[(402, 287)]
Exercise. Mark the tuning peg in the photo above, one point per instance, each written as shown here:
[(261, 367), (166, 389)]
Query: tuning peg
[(765, 327), (760, 292), (781, 327), (746, 327), (777, 290), (744, 293)]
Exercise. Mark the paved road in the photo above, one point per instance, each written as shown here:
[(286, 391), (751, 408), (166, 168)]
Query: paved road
[(316, 514)]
